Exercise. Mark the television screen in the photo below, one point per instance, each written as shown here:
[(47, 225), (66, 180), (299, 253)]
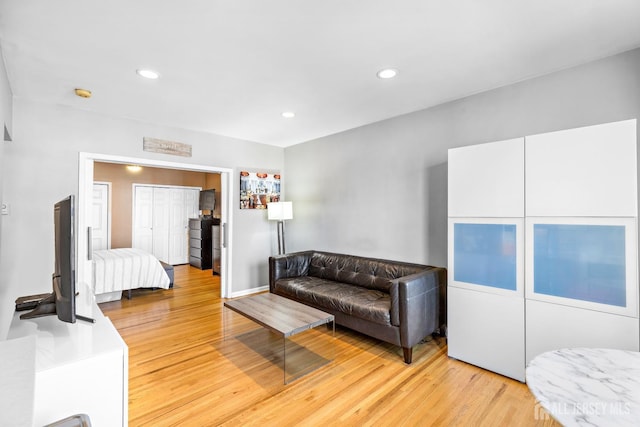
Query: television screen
[(208, 200), (64, 276), (62, 301)]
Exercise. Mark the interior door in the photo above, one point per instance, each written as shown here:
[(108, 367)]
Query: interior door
[(161, 223), (101, 216), (178, 253), (183, 204), (143, 218)]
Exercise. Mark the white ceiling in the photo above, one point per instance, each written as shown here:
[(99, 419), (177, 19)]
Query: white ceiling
[(232, 67)]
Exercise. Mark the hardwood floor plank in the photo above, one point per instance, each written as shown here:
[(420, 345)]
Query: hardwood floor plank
[(183, 372)]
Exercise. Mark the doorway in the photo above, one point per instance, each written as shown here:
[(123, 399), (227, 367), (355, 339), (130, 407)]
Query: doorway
[(85, 202)]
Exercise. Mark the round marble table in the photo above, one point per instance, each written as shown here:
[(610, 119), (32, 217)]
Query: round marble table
[(588, 386)]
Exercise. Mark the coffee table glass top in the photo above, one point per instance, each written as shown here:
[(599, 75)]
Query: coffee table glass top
[(281, 315), (287, 318)]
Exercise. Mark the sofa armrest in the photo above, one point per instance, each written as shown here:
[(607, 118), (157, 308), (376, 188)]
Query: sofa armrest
[(288, 265), (418, 299)]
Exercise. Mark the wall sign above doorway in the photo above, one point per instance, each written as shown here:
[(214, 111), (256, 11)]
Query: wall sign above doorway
[(155, 145)]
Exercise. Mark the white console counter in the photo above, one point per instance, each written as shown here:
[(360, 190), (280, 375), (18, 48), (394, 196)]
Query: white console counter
[(79, 367)]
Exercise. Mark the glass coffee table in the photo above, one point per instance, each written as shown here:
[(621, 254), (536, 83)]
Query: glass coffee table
[(304, 345)]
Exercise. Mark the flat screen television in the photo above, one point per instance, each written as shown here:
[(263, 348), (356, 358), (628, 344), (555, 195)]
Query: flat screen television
[(62, 301), (208, 200)]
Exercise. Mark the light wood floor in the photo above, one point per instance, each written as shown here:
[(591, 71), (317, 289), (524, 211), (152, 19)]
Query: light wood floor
[(183, 372)]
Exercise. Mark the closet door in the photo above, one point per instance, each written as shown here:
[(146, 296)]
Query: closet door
[(161, 223), (161, 219), (183, 204), (143, 218), (178, 231)]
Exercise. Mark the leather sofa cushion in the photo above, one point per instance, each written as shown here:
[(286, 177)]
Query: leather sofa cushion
[(368, 304), (365, 272)]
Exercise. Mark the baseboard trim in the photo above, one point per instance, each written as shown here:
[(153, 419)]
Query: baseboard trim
[(246, 292)]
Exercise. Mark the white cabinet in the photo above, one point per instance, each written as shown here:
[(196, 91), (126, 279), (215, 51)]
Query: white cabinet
[(552, 326), (582, 238), (487, 330), (583, 172), (487, 180), (562, 208), (486, 264), (79, 368)]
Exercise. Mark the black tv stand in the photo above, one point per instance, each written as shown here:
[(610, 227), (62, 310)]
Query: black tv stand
[(47, 307), (86, 319)]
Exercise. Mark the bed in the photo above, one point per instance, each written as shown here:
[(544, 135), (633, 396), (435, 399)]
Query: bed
[(117, 270)]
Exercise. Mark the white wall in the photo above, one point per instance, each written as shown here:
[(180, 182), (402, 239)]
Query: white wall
[(381, 190), (41, 167), (6, 100), (6, 111)]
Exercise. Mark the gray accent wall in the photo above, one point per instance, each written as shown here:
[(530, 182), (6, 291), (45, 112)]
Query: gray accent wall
[(381, 190)]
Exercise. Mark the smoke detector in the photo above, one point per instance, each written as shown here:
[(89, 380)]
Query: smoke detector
[(83, 93)]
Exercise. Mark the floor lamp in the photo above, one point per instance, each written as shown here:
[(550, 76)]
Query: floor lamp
[(280, 211)]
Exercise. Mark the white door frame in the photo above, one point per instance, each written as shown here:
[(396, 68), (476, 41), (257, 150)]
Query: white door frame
[(85, 198)]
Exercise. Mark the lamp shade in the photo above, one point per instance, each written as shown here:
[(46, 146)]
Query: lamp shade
[(279, 211)]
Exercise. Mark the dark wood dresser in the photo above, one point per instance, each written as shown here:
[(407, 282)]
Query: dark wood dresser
[(200, 242)]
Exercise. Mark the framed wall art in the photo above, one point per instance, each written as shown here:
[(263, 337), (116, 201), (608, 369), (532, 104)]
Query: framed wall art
[(258, 188)]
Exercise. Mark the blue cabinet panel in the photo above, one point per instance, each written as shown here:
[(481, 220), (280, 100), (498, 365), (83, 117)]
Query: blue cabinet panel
[(583, 262), (485, 254)]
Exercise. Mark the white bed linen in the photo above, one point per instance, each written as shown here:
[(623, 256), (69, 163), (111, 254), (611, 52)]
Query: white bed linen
[(126, 268)]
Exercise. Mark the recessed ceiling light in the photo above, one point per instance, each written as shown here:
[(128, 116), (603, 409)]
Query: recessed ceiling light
[(387, 73), (288, 114), (147, 74)]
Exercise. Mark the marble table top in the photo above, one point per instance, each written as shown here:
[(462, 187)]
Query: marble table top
[(588, 386)]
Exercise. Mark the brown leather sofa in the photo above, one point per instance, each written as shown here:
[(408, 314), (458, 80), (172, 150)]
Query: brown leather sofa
[(392, 301)]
